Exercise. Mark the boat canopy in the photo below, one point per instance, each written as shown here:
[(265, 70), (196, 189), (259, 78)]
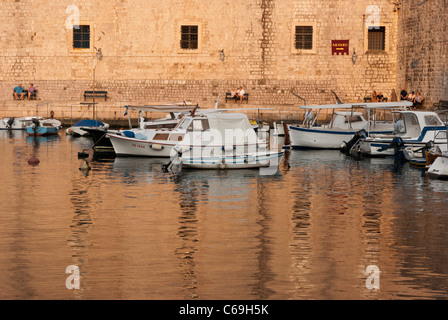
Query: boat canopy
[(163, 108), (367, 105), (232, 121), (89, 123)]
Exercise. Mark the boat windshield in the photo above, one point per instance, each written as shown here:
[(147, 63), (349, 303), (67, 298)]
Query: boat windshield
[(400, 126), (432, 120), (183, 125)]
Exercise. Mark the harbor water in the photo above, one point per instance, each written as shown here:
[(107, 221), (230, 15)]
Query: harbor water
[(314, 230)]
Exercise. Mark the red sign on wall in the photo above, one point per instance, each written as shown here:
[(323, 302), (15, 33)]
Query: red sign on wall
[(339, 47)]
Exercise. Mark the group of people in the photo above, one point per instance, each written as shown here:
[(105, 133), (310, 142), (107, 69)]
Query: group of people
[(20, 93), (237, 94), (415, 97), (377, 97)]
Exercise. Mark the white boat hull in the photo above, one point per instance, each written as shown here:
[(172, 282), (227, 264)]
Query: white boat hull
[(439, 168), (318, 139), (125, 146)]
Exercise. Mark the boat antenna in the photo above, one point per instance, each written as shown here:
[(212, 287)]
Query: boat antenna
[(304, 100), (339, 101)]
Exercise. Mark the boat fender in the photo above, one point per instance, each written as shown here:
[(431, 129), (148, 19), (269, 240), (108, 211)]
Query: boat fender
[(85, 166), (156, 147), (228, 148), (33, 161), (222, 164)]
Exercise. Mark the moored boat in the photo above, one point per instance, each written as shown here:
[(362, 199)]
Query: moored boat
[(21, 123), (77, 130), (44, 127), (344, 123), (413, 130), (203, 130)]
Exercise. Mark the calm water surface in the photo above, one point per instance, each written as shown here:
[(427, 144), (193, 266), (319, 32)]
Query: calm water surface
[(135, 232)]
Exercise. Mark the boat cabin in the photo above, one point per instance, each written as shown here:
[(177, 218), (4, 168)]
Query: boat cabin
[(348, 120), (415, 124)]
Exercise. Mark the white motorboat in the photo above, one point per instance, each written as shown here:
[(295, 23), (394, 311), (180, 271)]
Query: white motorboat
[(413, 130), (343, 125), (17, 123), (175, 113), (260, 159), (210, 131)]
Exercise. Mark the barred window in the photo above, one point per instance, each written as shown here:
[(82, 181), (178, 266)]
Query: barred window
[(189, 37), (304, 37), (377, 38), (81, 37)]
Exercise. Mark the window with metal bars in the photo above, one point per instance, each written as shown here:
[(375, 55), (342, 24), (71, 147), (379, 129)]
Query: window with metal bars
[(304, 37), (377, 38), (189, 37), (81, 37)]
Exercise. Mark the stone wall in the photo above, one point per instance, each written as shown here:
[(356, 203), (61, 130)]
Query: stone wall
[(142, 60), (423, 48)]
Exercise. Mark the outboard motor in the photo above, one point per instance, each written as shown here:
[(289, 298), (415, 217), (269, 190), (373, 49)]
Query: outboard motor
[(36, 122), (9, 123), (397, 143), (347, 146)]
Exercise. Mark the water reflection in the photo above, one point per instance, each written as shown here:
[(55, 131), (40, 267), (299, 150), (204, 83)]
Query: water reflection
[(136, 232)]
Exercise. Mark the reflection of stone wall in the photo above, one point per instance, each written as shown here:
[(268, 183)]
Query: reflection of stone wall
[(143, 60), (423, 49)]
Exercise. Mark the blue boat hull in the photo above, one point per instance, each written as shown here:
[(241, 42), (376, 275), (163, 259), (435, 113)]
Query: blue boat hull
[(42, 131)]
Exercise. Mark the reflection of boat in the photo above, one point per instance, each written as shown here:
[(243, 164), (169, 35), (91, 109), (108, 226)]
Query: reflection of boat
[(17, 123), (279, 129), (39, 139), (260, 126), (413, 129), (77, 129), (343, 124), (44, 127)]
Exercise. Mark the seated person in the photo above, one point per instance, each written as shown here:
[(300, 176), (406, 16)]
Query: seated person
[(418, 100), (240, 93), (233, 94), (19, 91), (31, 91)]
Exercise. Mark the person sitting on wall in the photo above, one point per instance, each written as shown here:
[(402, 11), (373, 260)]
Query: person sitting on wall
[(403, 94), (240, 93), (233, 94), (418, 100), (380, 97), (374, 96), (32, 91), (19, 91), (393, 96)]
